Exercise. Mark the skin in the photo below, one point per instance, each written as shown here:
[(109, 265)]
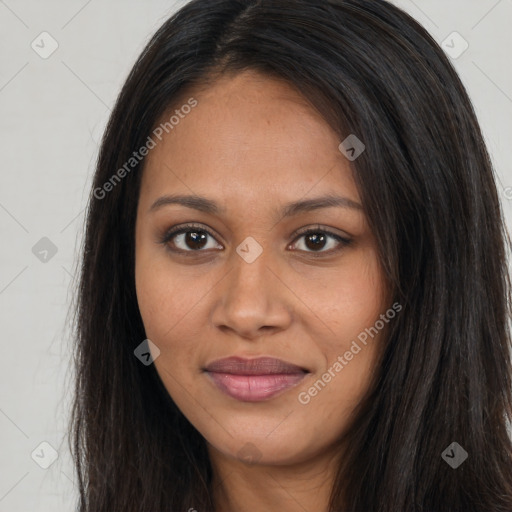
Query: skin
[(253, 144)]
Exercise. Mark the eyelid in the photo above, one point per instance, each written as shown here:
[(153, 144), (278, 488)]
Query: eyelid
[(323, 229)]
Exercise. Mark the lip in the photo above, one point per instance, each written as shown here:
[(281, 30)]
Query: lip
[(254, 380)]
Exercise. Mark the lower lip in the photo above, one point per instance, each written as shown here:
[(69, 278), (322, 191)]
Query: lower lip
[(254, 388)]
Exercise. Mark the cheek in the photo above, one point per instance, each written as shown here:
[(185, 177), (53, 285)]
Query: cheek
[(172, 310), (159, 304), (350, 304), (162, 308), (348, 299)]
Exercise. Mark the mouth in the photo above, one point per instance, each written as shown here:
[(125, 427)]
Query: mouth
[(254, 380)]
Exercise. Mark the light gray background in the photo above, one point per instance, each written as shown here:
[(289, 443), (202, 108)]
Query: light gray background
[(52, 114)]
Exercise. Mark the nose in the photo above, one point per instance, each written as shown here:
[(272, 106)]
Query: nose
[(251, 301)]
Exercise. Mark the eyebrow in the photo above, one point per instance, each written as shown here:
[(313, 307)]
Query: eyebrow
[(206, 205)]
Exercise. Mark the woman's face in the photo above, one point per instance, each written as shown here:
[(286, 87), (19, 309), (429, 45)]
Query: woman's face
[(245, 282)]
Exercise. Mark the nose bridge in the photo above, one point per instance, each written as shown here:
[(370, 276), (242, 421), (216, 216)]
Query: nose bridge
[(250, 298), (249, 283)]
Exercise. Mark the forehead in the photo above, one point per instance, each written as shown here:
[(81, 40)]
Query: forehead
[(250, 135)]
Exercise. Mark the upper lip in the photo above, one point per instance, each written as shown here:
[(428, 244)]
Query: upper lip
[(257, 366)]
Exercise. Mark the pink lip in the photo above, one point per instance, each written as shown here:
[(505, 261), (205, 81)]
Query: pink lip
[(254, 380)]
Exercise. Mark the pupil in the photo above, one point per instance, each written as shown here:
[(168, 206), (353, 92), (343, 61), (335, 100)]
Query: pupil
[(195, 240), (317, 239)]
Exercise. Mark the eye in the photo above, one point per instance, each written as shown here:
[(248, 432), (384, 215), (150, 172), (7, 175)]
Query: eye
[(320, 241), (189, 238), (192, 238)]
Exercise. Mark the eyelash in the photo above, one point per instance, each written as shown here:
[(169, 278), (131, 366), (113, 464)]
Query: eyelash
[(185, 228)]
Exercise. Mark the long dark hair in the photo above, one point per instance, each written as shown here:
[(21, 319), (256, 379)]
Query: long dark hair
[(428, 190)]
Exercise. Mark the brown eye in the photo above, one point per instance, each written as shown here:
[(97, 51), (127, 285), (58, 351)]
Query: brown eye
[(190, 239), (320, 241), (195, 239), (315, 241)]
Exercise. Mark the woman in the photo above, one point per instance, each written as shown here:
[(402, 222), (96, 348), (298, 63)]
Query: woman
[(294, 290)]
